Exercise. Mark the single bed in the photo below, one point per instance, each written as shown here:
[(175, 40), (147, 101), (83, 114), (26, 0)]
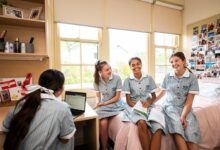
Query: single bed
[(207, 109)]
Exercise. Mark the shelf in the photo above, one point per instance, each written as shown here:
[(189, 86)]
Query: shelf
[(19, 56), (6, 20), (7, 104), (35, 1)]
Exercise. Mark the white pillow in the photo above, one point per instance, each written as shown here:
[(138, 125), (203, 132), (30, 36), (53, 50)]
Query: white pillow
[(209, 89)]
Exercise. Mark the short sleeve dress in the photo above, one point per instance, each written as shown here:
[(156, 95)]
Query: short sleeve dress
[(108, 91), (177, 90), (139, 90), (53, 120)]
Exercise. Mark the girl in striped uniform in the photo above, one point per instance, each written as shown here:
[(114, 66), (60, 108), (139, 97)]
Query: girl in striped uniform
[(181, 86), (108, 90), (141, 87)]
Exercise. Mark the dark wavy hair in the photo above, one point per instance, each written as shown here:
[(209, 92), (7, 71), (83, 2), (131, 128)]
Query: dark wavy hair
[(182, 57), (20, 123), (134, 58), (98, 67)]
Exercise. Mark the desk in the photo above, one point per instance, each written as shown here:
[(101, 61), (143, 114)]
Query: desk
[(87, 129), (87, 126)]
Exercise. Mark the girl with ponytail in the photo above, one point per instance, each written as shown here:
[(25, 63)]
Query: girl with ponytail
[(40, 120), (108, 90), (181, 86)]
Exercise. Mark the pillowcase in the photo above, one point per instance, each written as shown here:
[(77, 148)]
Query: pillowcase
[(211, 90)]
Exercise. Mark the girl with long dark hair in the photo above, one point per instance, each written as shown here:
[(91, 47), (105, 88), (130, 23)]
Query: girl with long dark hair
[(40, 120)]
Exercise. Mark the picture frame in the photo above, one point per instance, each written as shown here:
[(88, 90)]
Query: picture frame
[(12, 11), (35, 13), (5, 96)]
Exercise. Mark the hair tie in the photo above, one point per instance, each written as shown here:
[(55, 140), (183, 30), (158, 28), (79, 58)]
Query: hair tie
[(32, 88)]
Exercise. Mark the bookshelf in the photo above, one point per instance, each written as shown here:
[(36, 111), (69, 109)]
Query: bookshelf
[(19, 64)]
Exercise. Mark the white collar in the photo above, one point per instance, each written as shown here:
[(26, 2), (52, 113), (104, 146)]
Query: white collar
[(143, 75), (186, 73)]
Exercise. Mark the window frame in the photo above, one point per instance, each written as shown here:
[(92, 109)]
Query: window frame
[(57, 57), (165, 47)]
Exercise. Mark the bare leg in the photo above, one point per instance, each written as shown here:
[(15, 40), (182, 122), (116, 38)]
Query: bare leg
[(192, 146), (180, 142), (143, 134), (103, 131), (156, 140)]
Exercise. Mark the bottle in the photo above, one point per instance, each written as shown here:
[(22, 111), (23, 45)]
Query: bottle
[(7, 47), (17, 48), (23, 49)]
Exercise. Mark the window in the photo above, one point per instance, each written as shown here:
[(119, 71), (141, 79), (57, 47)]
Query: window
[(79, 47), (123, 46), (165, 44)]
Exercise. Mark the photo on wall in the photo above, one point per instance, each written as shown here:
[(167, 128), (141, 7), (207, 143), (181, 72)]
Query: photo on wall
[(211, 26), (195, 30), (218, 23)]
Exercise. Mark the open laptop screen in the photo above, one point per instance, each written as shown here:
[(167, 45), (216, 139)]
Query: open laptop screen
[(76, 100)]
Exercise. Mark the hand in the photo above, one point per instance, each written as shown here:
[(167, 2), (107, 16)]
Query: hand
[(99, 105), (145, 104), (183, 121)]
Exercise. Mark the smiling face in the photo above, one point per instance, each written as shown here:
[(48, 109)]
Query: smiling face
[(106, 71), (178, 64), (136, 66)]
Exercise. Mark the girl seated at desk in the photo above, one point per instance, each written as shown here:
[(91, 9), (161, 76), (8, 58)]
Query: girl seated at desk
[(40, 120)]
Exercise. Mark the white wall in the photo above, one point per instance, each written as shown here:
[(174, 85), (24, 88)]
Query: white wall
[(196, 10)]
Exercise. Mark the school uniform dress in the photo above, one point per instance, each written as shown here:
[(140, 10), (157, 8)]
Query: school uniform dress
[(53, 120), (139, 90), (177, 90), (108, 91)]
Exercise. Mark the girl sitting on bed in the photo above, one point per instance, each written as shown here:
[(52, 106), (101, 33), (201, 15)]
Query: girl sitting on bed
[(138, 87), (181, 86), (108, 90)]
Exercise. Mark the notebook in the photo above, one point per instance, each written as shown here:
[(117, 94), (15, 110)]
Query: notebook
[(76, 101)]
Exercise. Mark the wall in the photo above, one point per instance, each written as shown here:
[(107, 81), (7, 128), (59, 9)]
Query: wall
[(196, 10), (134, 15)]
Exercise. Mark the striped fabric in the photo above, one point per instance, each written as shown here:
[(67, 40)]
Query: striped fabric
[(52, 121), (139, 90), (177, 90), (108, 91)]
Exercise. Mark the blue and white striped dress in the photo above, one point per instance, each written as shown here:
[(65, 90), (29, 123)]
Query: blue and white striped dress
[(177, 90), (139, 90), (108, 91), (53, 120)]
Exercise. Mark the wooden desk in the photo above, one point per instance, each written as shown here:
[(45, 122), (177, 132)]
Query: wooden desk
[(87, 130), (87, 125)]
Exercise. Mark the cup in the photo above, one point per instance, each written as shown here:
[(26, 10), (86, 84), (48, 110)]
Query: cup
[(29, 47), (2, 46)]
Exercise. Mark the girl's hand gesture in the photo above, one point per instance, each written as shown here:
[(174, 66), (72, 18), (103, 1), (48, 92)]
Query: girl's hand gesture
[(183, 121)]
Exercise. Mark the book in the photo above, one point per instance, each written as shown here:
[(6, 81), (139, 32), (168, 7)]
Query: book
[(139, 109), (151, 114)]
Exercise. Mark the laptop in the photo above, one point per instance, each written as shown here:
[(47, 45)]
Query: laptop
[(76, 101)]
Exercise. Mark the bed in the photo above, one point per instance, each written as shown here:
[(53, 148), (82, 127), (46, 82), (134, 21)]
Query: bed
[(207, 109)]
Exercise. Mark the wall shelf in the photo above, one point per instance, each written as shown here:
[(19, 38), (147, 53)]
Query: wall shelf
[(5, 20), (35, 1), (19, 56)]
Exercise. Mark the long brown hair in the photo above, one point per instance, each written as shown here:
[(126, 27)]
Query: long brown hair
[(20, 123), (182, 57), (98, 67)]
